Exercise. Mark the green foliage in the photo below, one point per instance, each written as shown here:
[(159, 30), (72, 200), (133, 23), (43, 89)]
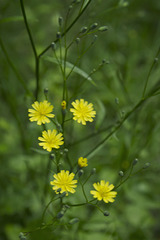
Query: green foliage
[(125, 93)]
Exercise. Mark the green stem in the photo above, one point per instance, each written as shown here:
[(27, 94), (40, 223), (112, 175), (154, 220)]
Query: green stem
[(33, 48), (149, 73), (69, 27)]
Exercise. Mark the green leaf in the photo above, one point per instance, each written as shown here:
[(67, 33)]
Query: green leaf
[(11, 19), (72, 66), (101, 110)]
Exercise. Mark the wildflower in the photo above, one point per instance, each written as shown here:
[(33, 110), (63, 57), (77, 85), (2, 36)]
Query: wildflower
[(104, 191), (63, 104), (82, 111), (64, 181), (82, 162), (41, 112), (50, 139)]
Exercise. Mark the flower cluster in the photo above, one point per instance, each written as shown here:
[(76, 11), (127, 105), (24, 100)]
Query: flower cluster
[(64, 181)]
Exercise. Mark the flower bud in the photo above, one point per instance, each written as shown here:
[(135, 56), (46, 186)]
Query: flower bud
[(73, 221), (58, 35), (83, 29), (53, 45), (117, 100), (94, 39), (93, 26), (65, 150), (60, 21), (146, 165), (46, 91), (135, 161), (103, 29), (121, 173), (93, 171), (77, 40), (52, 156), (106, 213), (60, 214), (80, 172), (156, 60), (21, 236)]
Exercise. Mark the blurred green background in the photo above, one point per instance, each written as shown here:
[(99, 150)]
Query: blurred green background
[(130, 46)]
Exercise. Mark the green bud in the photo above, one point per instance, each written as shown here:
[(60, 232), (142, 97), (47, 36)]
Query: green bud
[(93, 26), (62, 195), (46, 91), (60, 21), (83, 29), (146, 165), (121, 173), (77, 40), (156, 60), (106, 213), (21, 236), (60, 214), (58, 35), (80, 172), (93, 171), (65, 150), (59, 127), (53, 45), (135, 161), (52, 156), (73, 221), (94, 39), (103, 29), (117, 100)]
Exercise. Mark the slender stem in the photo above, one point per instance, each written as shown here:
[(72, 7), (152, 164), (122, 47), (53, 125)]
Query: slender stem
[(33, 48), (69, 27), (91, 152), (149, 73)]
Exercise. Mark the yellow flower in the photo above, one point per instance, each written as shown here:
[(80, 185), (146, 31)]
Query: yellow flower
[(104, 191), (82, 111), (51, 140), (41, 112), (64, 181), (63, 104), (82, 162)]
